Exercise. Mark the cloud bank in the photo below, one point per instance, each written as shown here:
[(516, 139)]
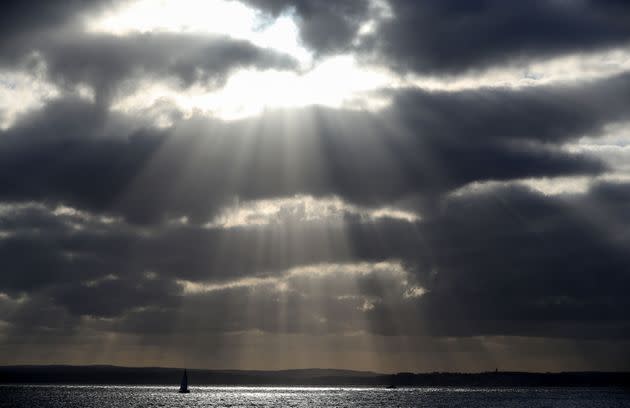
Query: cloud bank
[(442, 229)]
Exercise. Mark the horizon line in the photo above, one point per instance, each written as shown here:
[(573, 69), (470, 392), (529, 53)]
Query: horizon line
[(314, 369)]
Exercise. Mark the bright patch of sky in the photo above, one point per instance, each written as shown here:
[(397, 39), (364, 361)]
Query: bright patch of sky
[(21, 92), (221, 17), (335, 82)]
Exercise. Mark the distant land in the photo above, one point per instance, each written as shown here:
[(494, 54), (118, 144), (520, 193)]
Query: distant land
[(62, 374)]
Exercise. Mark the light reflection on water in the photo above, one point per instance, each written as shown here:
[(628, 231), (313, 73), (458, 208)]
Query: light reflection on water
[(167, 397)]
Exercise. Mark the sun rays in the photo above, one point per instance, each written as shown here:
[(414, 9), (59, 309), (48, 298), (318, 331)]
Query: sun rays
[(373, 184), (281, 267)]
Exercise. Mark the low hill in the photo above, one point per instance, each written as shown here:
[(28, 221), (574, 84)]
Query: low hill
[(60, 374)]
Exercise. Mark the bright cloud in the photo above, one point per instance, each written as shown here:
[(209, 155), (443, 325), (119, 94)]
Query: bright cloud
[(222, 17), (302, 209)]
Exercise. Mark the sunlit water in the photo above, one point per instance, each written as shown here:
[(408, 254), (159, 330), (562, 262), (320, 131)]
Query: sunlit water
[(160, 396)]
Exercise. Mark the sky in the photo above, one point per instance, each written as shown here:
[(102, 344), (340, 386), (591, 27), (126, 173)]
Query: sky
[(386, 185)]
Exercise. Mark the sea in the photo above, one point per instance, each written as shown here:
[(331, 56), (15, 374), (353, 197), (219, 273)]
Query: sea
[(69, 396)]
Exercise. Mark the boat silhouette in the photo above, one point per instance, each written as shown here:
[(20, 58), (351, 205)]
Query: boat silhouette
[(183, 388)]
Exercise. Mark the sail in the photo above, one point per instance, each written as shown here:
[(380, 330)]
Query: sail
[(184, 386)]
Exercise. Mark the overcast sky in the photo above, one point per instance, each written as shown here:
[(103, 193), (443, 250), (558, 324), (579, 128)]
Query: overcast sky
[(387, 185)]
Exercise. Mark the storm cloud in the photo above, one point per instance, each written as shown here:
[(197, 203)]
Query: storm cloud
[(448, 37), (375, 225), (425, 143)]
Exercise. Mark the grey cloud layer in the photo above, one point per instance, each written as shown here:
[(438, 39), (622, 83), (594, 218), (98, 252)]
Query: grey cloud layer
[(103, 62), (54, 38), (426, 143), (324, 26), (452, 36), (423, 36), (555, 272), (22, 18), (103, 215)]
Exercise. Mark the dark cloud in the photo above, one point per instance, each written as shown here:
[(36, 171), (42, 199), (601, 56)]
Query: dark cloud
[(101, 248), (553, 271), (449, 37), (95, 298), (453, 36), (21, 19), (103, 61), (54, 39), (65, 153), (106, 219), (426, 143), (324, 26)]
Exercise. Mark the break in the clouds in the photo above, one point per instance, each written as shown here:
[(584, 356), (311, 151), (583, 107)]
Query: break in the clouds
[(385, 185)]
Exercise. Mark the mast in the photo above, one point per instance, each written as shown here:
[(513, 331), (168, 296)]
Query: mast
[(184, 386)]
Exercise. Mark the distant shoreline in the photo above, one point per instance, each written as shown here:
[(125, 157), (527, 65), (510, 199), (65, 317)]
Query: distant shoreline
[(115, 375)]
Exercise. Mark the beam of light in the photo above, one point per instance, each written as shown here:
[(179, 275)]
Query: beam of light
[(331, 301), (337, 81)]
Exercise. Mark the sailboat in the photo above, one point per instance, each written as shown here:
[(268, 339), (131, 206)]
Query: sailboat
[(183, 388)]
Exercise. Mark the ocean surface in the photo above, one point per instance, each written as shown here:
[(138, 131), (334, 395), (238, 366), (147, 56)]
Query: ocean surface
[(33, 396)]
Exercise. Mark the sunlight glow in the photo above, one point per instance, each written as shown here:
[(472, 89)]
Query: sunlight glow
[(31, 89), (336, 82), (221, 17)]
